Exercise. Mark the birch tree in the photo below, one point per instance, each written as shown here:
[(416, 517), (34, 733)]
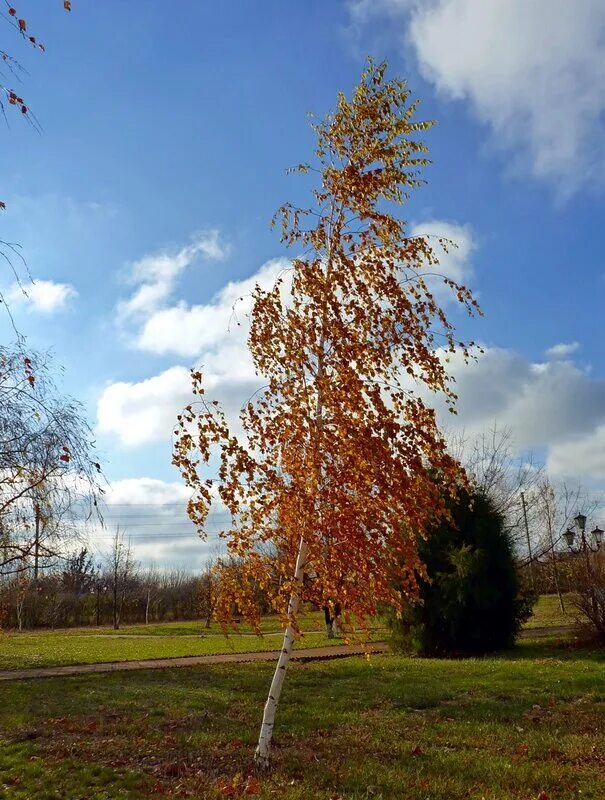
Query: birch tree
[(343, 465), (48, 467)]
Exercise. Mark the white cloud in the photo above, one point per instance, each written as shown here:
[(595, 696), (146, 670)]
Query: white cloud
[(152, 518), (543, 403), (553, 407), (533, 71), (206, 329), (45, 297), (456, 262), (582, 456), (138, 413), (155, 275), (215, 335), (562, 350), (146, 491), (189, 330)]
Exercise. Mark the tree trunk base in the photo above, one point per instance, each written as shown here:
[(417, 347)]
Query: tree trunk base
[(262, 762)]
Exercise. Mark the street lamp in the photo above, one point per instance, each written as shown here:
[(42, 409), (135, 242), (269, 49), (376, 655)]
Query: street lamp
[(585, 545), (580, 521)]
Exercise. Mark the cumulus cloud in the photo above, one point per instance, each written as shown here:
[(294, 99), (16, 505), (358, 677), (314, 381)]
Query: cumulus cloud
[(155, 275), (533, 72), (456, 263), (145, 411), (555, 407), (142, 412), (542, 402), (582, 456), (44, 297), (215, 335), (147, 492), (189, 330), (562, 350)]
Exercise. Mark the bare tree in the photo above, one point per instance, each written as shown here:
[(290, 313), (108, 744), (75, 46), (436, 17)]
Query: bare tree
[(209, 589), (11, 78), (47, 463), (555, 504), (122, 568), (507, 478), (150, 584)]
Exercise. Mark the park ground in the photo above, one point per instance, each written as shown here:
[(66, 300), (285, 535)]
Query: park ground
[(524, 724), (177, 639)]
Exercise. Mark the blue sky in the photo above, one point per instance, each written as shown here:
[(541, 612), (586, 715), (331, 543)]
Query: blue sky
[(167, 129)]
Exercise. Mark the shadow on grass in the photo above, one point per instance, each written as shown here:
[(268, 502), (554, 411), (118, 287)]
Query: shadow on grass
[(509, 725)]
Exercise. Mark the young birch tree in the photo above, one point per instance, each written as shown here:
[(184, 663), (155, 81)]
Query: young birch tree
[(343, 464)]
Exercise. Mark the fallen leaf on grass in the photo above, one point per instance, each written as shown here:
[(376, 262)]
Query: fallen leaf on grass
[(239, 786)]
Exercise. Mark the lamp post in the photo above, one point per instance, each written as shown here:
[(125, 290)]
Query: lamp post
[(585, 546)]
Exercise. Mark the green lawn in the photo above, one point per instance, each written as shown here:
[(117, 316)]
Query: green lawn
[(167, 640), (504, 728), (173, 639), (37, 650), (548, 614), (311, 621)]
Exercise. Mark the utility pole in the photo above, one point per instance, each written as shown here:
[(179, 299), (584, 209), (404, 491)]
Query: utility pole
[(555, 568), (531, 558), (36, 541)]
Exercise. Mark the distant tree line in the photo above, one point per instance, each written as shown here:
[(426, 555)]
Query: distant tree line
[(115, 593), (78, 591)]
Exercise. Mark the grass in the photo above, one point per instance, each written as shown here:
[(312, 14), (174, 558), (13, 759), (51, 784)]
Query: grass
[(173, 639), (168, 640), (502, 728), (548, 614), (18, 651), (310, 621)]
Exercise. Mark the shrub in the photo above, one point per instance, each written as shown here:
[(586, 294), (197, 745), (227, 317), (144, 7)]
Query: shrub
[(472, 602), (589, 595)]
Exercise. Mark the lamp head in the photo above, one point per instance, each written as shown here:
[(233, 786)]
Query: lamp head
[(569, 536)]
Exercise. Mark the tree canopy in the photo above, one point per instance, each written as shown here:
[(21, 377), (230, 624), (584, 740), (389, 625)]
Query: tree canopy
[(339, 446)]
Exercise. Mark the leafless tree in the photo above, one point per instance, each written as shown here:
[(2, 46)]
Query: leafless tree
[(122, 568), (209, 589), (508, 479), (47, 462)]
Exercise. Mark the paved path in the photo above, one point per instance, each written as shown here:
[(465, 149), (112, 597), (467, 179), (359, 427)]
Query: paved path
[(303, 654), (541, 633)]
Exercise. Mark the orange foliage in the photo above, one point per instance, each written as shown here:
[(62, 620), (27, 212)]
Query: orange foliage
[(342, 453)]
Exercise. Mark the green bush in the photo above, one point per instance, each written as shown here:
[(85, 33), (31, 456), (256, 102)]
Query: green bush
[(472, 602)]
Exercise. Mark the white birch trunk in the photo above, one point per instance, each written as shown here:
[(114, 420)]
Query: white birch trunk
[(262, 757)]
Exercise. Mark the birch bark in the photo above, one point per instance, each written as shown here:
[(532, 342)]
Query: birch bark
[(262, 756)]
